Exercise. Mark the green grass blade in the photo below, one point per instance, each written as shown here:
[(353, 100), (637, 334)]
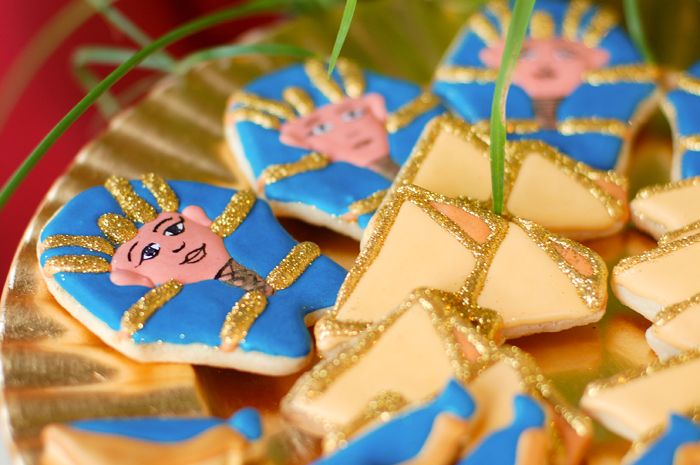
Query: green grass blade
[(192, 27), (511, 51), (636, 28), (115, 56), (345, 22), (107, 104), (229, 51)]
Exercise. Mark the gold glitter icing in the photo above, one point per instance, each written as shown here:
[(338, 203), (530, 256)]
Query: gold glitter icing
[(254, 116), (94, 243), (689, 84), (601, 23), (484, 28), (465, 74), (689, 229), (623, 73), (311, 162), (165, 197), (234, 214), (541, 25), (500, 9), (368, 204), (136, 316), (650, 191), (280, 110), (76, 264), (299, 99), (117, 228), (613, 127), (672, 311), (352, 76), (691, 142), (241, 317), (572, 18), (645, 440), (650, 255), (293, 265), (316, 71), (410, 111), (134, 206)]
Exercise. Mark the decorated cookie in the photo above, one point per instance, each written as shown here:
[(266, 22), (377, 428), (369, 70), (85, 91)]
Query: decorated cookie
[(668, 211), (579, 85), (542, 185), (677, 444), (635, 403), (537, 281), (153, 441), (325, 149), (187, 272), (681, 108)]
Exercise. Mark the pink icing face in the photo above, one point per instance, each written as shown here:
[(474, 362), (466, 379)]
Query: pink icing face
[(352, 130), (549, 68), (176, 246)]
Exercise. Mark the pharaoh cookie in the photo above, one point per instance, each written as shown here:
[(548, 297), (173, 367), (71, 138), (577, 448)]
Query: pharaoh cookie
[(325, 148), (542, 185), (677, 444), (153, 441), (537, 281), (579, 85), (668, 211), (635, 403), (187, 272), (681, 107)]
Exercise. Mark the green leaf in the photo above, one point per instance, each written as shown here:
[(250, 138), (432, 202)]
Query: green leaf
[(345, 22), (511, 51), (229, 51), (188, 29), (636, 28)]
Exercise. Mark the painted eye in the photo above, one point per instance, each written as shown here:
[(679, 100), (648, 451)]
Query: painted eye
[(175, 229), (528, 54), (563, 54), (352, 115), (320, 129), (150, 251)]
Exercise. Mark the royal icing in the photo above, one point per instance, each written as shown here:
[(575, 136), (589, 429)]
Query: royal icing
[(681, 107), (679, 443)]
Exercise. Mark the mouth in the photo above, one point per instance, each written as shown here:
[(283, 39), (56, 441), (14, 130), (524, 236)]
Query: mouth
[(362, 143), (196, 255)]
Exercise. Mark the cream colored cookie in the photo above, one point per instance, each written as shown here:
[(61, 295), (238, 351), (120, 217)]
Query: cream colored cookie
[(675, 328), (633, 403), (542, 185), (670, 210), (537, 281)]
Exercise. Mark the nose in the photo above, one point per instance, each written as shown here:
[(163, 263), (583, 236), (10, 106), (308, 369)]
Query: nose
[(545, 72), (179, 248)]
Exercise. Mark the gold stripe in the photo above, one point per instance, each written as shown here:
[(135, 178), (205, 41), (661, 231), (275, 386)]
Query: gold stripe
[(612, 127), (134, 206), (410, 111), (255, 102), (254, 116), (234, 214), (316, 71), (598, 28), (672, 311), (368, 204), (513, 126), (691, 142), (293, 265), (689, 84), (484, 28), (465, 74), (299, 99), (136, 316), (500, 10), (624, 73), (310, 162), (541, 25), (76, 264), (241, 318), (117, 228), (352, 76), (572, 19), (165, 197), (96, 243)]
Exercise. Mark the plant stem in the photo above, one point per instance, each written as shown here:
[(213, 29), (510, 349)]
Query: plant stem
[(345, 23), (636, 28)]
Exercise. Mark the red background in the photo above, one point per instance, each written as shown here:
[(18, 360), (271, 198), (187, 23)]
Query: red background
[(34, 100)]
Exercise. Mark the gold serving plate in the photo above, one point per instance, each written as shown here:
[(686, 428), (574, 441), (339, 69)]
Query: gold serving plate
[(54, 370)]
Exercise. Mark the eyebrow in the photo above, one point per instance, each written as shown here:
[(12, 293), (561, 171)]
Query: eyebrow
[(160, 223), (128, 255)]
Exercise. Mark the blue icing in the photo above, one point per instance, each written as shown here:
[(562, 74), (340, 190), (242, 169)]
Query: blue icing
[(594, 101), (687, 111), (472, 101), (69, 250), (680, 431), (172, 429), (500, 448), (620, 48), (403, 437), (196, 314), (466, 51), (690, 164), (334, 188), (694, 70)]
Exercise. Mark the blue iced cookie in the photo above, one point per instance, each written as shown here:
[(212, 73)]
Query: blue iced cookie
[(187, 272), (153, 440), (683, 111), (325, 148), (665, 450), (580, 84)]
